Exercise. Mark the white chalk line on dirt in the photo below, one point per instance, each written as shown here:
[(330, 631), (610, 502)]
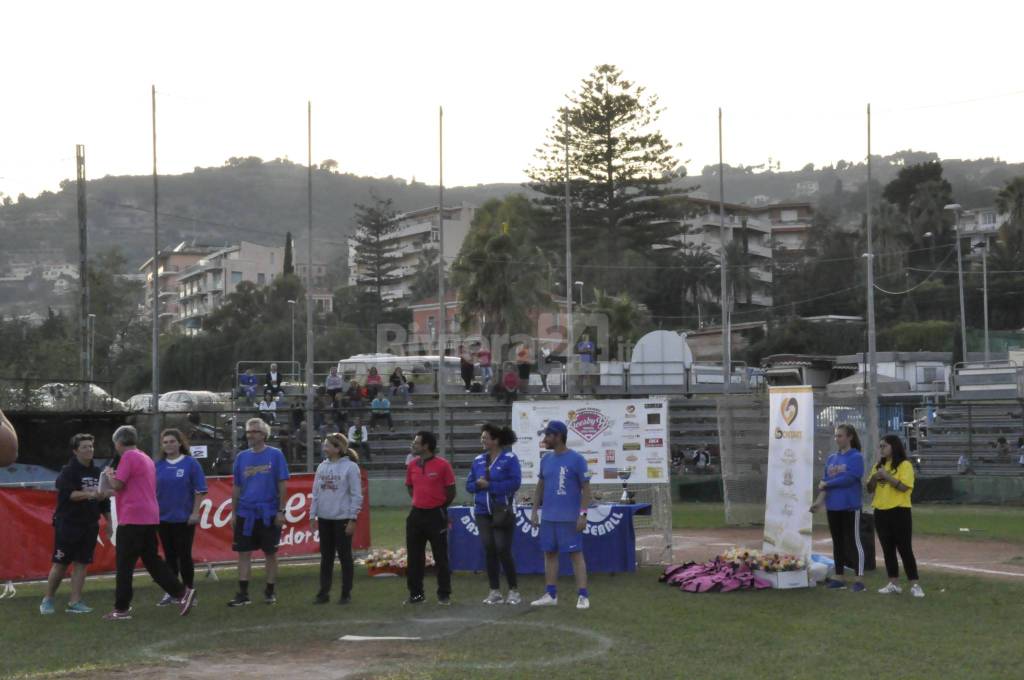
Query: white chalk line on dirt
[(978, 570), (603, 643)]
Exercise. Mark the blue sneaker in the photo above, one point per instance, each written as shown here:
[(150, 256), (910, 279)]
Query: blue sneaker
[(46, 606), (78, 608), (833, 584), (858, 587)]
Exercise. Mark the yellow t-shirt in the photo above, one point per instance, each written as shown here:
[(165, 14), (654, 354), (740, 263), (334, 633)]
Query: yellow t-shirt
[(887, 497)]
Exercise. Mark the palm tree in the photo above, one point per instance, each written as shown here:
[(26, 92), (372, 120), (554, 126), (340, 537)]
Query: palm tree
[(695, 273), (893, 236), (740, 280), (1010, 200), (627, 319)]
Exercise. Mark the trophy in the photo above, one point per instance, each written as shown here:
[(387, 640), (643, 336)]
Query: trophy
[(624, 474)]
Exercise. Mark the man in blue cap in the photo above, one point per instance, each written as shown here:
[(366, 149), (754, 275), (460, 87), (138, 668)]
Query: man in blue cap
[(563, 490)]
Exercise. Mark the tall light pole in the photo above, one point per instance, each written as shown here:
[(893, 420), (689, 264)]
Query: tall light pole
[(872, 357), (92, 345), (310, 454), (724, 297), (580, 285), (955, 208), (442, 316), (570, 340), (984, 284), (291, 303), (155, 330)]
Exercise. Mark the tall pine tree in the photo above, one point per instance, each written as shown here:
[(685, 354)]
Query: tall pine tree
[(621, 175), (376, 256), (289, 266)]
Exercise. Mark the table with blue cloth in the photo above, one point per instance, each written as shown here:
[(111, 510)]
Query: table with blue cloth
[(609, 542)]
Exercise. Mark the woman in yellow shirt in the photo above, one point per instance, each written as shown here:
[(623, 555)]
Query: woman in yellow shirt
[(892, 481)]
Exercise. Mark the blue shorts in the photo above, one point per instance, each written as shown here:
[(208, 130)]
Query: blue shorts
[(560, 537)]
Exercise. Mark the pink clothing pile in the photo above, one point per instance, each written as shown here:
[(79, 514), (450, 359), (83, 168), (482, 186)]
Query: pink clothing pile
[(714, 576)]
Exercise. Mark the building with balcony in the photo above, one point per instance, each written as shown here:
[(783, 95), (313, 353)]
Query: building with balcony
[(202, 286), (170, 264), (416, 232)]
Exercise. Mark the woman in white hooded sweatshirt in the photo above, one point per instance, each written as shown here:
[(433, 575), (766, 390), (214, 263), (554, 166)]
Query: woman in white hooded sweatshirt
[(337, 499)]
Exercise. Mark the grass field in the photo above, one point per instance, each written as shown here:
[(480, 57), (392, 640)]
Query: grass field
[(965, 627)]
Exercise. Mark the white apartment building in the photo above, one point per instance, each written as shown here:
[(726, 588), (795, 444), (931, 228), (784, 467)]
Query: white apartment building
[(742, 223), (416, 232), (170, 264), (201, 287)]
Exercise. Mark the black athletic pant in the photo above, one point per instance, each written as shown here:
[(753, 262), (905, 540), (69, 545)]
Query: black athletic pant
[(422, 527), (847, 551), (334, 541), (894, 528), (135, 541), (498, 551), (176, 539)]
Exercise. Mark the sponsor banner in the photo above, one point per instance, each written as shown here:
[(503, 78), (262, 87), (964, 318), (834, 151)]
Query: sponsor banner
[(618, 428), (790, 488), (26, 544)]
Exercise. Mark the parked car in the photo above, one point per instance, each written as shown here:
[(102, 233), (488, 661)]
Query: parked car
[(192, 400), (68, 396)]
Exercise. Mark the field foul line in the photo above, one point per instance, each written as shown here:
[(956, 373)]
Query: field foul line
[(603, 643), (979, 570)]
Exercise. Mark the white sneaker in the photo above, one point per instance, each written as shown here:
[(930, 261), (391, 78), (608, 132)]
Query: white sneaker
[(890, 588), (583, 602), (514, 597), (916, 590), (494, 597), (545, 601)]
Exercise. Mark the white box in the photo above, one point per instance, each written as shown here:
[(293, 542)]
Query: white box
[(784, 579)]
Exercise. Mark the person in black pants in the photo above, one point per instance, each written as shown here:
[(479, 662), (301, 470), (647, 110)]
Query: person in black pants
[(431, 485), (337, 499), (892, 482), (493, 480)]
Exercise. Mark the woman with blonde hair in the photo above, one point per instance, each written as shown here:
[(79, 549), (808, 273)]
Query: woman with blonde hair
[(337, 499)]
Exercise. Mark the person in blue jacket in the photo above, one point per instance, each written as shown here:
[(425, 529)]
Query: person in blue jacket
[(493, 480), (841, 488)]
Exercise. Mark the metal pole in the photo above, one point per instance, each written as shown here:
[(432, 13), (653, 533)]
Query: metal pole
[(726, 333), (92, 345), (871, 436), (291, 303), (309, 290), (984, 280), (570, 344), (442, 317), (83, 262), (960, 275), (155, 341)]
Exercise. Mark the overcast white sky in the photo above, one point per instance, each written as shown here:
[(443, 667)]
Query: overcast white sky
[(233, 79)]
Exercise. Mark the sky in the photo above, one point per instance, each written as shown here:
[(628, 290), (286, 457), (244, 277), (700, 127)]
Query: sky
[(234, 78)]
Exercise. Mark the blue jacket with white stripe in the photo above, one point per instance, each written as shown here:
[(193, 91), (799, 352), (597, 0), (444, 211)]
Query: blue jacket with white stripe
[(505, 478)]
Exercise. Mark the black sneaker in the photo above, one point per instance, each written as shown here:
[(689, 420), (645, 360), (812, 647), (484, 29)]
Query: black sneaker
[(415, 599), (240, 600), (321, 598), (270, 598), (444, 601), (345, 599)]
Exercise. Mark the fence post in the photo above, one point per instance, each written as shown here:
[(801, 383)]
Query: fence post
[(970, 431)]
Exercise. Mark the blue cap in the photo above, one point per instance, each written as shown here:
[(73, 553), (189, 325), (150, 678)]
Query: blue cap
[(556, 427)]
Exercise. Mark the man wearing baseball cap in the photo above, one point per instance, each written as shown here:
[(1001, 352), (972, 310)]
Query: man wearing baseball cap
[(563, 490)]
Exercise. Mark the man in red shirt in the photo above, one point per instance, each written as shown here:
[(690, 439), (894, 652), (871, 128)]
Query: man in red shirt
[(431, 485)]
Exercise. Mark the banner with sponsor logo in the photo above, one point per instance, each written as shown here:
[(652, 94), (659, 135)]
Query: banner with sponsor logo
[(26, 539), (614, 435), (790, 489)]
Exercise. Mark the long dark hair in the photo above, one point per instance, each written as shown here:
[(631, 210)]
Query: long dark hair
[(899, 454), (182, 441), (505, 435), (851, 432)]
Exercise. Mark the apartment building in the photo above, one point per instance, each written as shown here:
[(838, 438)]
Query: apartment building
[(170, 264)]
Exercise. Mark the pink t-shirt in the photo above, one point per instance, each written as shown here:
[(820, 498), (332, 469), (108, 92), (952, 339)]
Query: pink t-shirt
[(136, 502)]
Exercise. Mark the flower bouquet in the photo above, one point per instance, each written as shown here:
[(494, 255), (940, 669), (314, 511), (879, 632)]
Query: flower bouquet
[(759, 561), (380, 562)]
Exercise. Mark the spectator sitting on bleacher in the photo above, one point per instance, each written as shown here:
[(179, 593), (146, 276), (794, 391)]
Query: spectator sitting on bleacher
[(1020, 450), (272, 381), (355, 394), (380, 409), (702, 460), (334, 384), (400, 386), (964, 465), (374, 382), (508, 387), (268, 408), (247, 384), (1002, 450), (358, 439)]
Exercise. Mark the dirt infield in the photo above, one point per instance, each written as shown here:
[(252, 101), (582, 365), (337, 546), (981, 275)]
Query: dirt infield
[(991, 559)]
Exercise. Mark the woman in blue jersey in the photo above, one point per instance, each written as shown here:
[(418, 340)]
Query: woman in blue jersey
[(493, 480), (841, 488), (180, 488)]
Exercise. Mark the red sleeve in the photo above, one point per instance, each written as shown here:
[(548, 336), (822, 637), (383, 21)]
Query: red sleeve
[(408, 474), (449, 474)]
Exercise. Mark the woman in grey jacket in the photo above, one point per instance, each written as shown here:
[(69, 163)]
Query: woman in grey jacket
[(337, 498)]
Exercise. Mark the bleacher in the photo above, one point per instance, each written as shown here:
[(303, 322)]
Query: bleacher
[(972, 429)]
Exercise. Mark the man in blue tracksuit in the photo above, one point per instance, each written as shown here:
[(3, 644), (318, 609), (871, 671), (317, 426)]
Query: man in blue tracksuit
[(493, 480), (841, 487)]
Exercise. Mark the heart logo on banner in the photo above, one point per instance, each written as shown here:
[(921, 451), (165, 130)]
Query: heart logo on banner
[(789, 410)]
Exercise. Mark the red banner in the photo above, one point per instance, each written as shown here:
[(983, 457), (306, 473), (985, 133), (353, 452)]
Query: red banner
[(26, 529)]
